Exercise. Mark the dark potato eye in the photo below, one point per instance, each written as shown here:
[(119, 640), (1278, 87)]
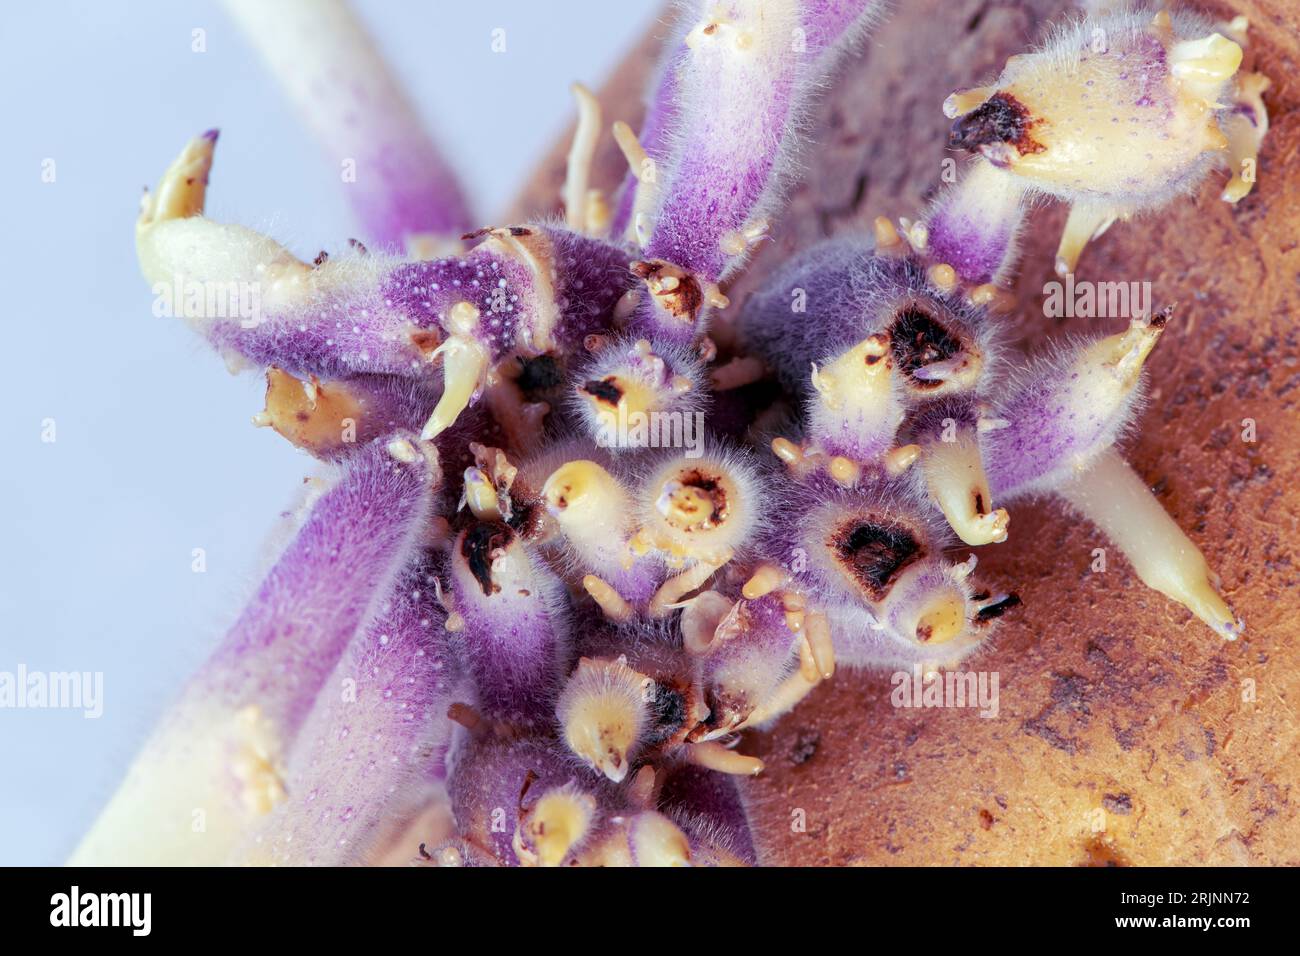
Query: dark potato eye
[(538, 374), (604, 390), (917, 340), (669, 711), (481, 541), (1001, 119), (875, 554)]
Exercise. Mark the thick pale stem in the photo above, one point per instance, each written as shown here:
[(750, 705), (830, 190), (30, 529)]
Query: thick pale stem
[(954, 473), (558, 823), (654, 840), (1245, 127), (1084, 224), (788, 694), (581, 152), (1112, 496), (677, 587), (399, 183), (464, 364), (714, 756), (856, 409), (175, 244), (589, 503), (972, 228), (602, 711), (642, 174)]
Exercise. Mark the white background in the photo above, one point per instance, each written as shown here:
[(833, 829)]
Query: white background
[(155, 455)]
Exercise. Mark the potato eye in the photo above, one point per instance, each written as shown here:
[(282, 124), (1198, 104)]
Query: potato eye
[(918, 340), (875, 554)]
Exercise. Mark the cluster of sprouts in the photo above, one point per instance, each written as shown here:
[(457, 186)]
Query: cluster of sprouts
[(590, 520)]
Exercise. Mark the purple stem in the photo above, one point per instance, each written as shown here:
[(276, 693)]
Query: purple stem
[(374, 735), (287, 640), (511, 636), (747, 74), (709, 809), (397, 180)]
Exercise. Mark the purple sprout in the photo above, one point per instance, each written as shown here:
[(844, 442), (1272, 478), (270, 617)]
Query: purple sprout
[(504, 605)]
